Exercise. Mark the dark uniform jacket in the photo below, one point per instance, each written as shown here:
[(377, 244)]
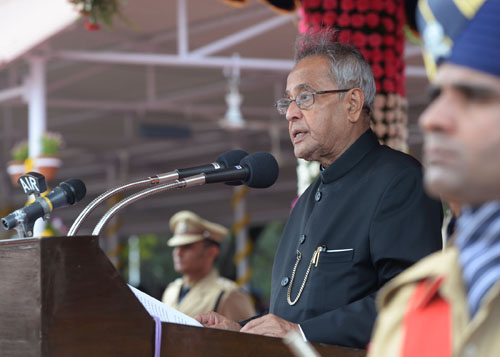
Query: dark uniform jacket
[(370, 218)]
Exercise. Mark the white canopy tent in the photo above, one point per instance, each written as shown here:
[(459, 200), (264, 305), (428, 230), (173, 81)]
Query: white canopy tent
[(136, 101)]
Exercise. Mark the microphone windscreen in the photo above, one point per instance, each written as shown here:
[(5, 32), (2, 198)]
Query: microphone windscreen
[(231, 158), (263, 169), (75, 188)]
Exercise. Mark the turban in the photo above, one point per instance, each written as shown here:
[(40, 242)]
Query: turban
[(463, 32)]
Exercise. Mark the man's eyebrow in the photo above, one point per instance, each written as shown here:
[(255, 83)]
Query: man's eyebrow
[(299, 87), (475, 90), (469, 90)]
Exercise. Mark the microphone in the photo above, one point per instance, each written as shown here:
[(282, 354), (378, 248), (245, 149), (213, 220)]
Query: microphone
[(257, 170), (66, 193), (227, 159)]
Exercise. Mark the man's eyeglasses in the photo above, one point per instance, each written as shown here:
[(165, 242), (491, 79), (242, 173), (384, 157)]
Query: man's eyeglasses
[(304, 99)]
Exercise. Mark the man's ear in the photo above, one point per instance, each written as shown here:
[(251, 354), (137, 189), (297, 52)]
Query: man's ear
[(354, 100), (213, 251)]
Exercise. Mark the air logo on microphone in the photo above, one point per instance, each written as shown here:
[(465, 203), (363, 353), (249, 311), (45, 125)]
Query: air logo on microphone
[(32, 183)]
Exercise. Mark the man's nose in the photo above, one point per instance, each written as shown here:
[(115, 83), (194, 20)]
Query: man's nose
[(439, 116), (293, 111)]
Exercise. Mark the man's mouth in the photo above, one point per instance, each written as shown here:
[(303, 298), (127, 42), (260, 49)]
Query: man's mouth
[(437, 155), (298, 134), (439, 150)]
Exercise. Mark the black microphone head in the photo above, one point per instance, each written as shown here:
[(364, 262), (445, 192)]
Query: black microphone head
[(263, 169), (75, 190), (231, 158)]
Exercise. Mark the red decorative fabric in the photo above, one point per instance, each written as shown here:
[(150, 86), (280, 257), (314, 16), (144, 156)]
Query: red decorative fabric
[(427, 322), (375, 27)]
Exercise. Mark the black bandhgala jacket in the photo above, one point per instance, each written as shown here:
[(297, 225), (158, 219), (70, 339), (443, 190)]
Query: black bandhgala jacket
[(369, 213)]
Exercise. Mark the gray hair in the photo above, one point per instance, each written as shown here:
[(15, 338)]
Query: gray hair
[(348, 67)]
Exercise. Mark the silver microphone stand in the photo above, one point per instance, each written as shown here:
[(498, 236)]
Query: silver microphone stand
[(196, 180), (153, 181)]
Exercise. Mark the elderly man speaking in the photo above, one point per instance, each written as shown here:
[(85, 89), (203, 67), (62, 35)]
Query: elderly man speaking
[(365, 219)]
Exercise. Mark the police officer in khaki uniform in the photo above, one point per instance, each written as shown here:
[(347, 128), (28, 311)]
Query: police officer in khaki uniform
[(448, 304), (196, 246)]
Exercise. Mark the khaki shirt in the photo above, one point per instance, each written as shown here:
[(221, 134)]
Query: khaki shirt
[(479, 337), (203, 296)]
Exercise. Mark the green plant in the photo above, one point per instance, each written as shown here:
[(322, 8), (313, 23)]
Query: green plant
[(51, 143), (156, 264), (98, 11), (263, 257), (20, 151)]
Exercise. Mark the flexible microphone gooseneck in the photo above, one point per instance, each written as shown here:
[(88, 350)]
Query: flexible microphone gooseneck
[(227, 159), (258, 170)]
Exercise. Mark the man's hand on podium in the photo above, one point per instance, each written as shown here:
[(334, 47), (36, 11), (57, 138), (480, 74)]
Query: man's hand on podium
[(215, 320), (267, 325), (270, 325)]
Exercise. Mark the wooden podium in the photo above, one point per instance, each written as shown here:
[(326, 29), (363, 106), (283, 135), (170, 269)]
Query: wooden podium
[(61, 296)]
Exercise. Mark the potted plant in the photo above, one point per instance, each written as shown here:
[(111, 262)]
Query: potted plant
[(15, 167), (98, 11), (48, 162)]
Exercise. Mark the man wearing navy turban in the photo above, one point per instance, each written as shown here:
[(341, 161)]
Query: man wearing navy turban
[(449, 303)]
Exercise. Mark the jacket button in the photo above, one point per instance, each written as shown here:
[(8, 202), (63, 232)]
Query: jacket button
[(317, 196), (302, 238), (284, 281)]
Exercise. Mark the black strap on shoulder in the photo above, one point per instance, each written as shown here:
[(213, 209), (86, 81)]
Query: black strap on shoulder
[(218, 300), (182, 292)]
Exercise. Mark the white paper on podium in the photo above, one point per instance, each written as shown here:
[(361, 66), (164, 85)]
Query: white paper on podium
[(164, 312)]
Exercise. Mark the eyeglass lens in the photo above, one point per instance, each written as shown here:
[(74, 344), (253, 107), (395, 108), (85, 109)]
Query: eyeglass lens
[(304, 100)]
